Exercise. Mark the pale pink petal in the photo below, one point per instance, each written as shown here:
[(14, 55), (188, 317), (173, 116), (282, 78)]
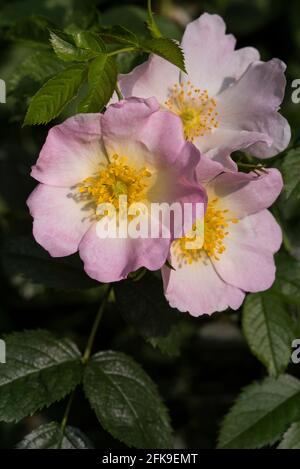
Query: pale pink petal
[(158, 134), (127, 117), (251, 103), (60, 220), (244, 194), (206, 48), (164, 137), (188, 198), (207, 169), (248, 262), (72, 151), (211, 61), (176, 185), (260, 89), (222, 142), (237, 64), (155, 77), (275, 126), (112, 259), (197, 288), (262, 230), (122, 125)]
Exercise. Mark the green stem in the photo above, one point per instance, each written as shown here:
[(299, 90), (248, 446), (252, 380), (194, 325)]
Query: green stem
[(91, 339), (67, 412), (149, 8), (119, 51), (87, 353), (152, 25), (118, 91)]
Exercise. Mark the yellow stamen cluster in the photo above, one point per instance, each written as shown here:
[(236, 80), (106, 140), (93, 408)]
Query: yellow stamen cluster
[(196, 109), (216, 222), (118, 178)]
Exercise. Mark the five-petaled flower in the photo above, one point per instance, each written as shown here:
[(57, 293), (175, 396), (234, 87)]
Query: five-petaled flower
[(240, 239), (133, 148), (228, 100)]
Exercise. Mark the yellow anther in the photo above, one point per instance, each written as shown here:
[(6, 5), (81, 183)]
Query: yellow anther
[(118, 178), (196, 109), (215, 223)]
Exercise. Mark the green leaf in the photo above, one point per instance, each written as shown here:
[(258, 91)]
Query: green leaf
[(144, 305), (269, 330), (119, 34), (69, 52), (89, 40), (22, 256), (166, 48), (102, 79), (291, 439), (126, 401), (262, 412), (40, 369), (287, 283), (50, 436), (55, 94), (291, 174)]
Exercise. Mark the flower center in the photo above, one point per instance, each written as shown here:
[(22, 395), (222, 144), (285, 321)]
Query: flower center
[(216, 222), (196, 109), (118, 178)]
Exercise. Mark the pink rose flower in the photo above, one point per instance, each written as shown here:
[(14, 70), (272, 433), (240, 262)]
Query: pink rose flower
[(133, 149), (228, 100), (240, 238)]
